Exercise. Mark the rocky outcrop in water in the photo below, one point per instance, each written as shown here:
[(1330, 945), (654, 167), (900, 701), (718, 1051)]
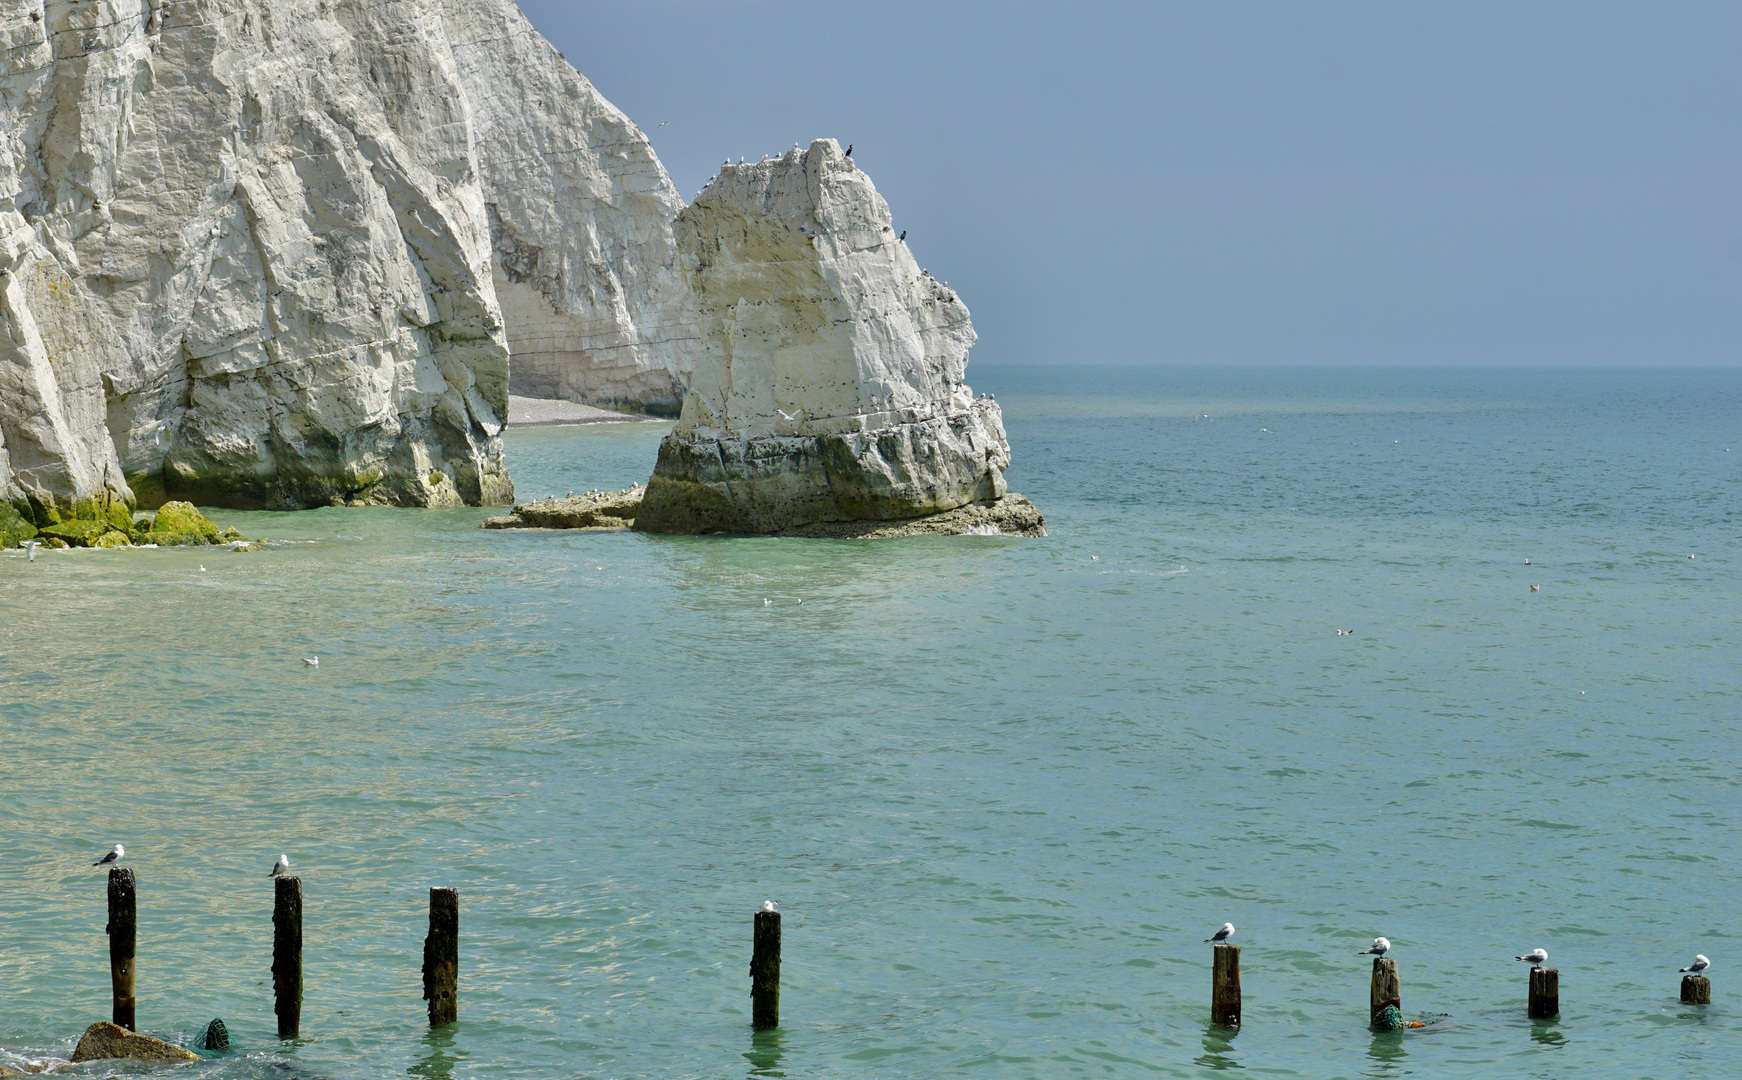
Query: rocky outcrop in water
[(590, 510), (831, 381), (103, 1040), (250, 249)]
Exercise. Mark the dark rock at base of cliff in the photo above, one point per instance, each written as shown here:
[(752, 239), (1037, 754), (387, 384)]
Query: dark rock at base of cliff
[(1011, 515), (594, 510)]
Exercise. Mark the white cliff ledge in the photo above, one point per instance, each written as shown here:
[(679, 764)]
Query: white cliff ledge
[(830, 386)]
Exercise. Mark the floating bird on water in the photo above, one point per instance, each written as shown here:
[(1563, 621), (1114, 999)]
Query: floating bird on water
[(1381, 946), (1226, 932), (1699, 966), (771, 906), (1536, 588), (281, 867), (312, 661), (1527, 562), (114, 856), (202, 568), (1535, 957), (1345, 633), (766, 601)]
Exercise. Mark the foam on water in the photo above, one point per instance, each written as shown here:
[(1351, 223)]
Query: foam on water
[(1002, 790)]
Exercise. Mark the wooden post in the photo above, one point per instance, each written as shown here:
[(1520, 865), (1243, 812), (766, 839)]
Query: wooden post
[(287, 955), (1696, 990), (1225, 986), (765, 971), (1545, 992), (123, 931), (1386, 989), (441, 957)]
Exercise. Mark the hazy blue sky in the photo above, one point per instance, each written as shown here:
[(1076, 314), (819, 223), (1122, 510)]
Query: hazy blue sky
[(1221, 180)]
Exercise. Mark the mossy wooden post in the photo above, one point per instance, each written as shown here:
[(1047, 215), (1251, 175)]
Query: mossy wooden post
[(441, 957), (1696, 990), (1225, 986), (1545, 992), (1385, 990), (123, 931), (287, 955), (765, 971)]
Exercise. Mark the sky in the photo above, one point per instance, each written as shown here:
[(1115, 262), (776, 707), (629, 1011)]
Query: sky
[(1227, 181)]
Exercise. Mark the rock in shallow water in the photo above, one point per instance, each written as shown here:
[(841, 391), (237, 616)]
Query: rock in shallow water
[(830, 387), (594, 510), (105, 1040)]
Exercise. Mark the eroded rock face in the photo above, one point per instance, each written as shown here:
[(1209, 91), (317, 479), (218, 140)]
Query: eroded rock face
[(586, 266), (831, 381), (245, 255)]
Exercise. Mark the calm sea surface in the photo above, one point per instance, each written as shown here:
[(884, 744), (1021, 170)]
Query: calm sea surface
[(1001, 788)]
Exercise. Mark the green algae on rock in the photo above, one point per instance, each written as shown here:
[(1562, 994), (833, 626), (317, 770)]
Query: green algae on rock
[(593, 510)]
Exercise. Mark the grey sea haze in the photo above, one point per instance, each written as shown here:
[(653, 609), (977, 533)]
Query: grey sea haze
[(1002, 789)]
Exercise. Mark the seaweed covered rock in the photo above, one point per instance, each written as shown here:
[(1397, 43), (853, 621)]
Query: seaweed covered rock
[(831, 382), (592, 510), (15, 528), (183, 517), (1010, 515), (104, 1040)]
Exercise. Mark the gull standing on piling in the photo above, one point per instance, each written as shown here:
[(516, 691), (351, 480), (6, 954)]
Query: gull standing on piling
[(1226, 932), (281, 867), (774, 909), (1381, 946), (1698, 967), (114, 856), (1535, 957)]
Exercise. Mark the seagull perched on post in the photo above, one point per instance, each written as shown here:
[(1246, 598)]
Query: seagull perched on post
[(1535, 957), (114, 856), (281, 867), (1380, 947), (1226, 932), (771, 907), (1699, 966)]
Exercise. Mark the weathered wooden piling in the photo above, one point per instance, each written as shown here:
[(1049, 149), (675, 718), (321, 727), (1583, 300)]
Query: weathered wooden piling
[(765, 971), (1385, 990), (1545, 992), (287, 955), (1696, 990), (123, 931), (441, 956), (1225, 986)]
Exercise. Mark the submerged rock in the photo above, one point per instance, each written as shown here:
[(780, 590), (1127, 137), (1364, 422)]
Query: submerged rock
[(593, 510), (1011, 515), (830, 386), (105, 1040)]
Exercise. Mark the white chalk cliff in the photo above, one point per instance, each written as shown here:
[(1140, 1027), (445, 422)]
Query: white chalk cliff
[(830, 386), (250, 250)]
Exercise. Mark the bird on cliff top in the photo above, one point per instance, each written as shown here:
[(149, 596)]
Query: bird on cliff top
[(903, 235), (114, 856), (281, 867), (849, 150), (1226, 932), (1381, 946), (1535, 957), (1699, 966)]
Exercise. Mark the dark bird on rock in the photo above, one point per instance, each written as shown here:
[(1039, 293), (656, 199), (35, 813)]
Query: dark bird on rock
[(849, 149), (904, 234)]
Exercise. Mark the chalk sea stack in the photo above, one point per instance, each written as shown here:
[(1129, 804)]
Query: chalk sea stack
[(830, 386)]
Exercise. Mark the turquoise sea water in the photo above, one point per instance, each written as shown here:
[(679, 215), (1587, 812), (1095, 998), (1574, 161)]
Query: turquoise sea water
[(1001, 788)]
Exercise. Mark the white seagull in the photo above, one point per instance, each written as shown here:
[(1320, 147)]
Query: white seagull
[(1381, 946), (771, 906), (1536, 588), (1535, 957), (766, 601), (312, 661), (30, 547), (1699, 966), (281, 867), (784, 413), (1226, 932), (114, 856)]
